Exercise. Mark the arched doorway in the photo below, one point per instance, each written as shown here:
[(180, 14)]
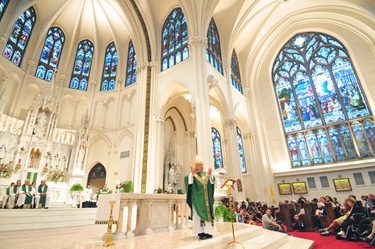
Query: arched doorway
[(97, 177)]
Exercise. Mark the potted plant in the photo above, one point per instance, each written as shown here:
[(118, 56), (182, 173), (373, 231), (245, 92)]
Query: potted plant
[(127, 186), (76, 190), (224, 214)]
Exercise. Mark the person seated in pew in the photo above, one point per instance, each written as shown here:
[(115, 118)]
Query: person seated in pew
[(270, 223), (337, 223), (9, 196)]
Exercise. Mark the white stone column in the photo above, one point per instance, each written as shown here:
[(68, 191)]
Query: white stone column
[(129, 233), (200, 98), (21, 87)]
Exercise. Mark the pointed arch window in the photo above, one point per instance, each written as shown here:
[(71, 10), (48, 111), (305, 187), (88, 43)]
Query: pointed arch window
[(213, 51), (322, 106), (19, 37), (174, 41), (216, 148), (51, 53), (82, 65), (235, 77), (241, 151), (109, 68), (131, 68), (3, 6)]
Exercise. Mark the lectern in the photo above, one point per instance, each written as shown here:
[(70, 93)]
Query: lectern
[(229, 184)]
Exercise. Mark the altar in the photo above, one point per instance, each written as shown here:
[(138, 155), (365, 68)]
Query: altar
[(155, 212)]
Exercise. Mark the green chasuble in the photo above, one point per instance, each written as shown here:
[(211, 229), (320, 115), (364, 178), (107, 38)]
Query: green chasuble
[(43, 198), (200, 195), (27, 189)]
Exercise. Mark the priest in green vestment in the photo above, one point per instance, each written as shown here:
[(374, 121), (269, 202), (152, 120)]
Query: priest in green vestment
[(200, 187), (25, 196), (43, 197), (9, 197)]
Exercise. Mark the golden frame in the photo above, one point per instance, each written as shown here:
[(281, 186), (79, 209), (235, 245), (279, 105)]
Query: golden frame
[(285, 188), (342, 184), (299, 188)]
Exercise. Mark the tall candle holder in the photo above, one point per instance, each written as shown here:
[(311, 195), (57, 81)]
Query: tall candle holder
[(228, 184), (109, 235)]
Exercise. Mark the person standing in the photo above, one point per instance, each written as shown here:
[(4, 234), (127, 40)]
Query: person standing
[(43, 196), (200, 187)]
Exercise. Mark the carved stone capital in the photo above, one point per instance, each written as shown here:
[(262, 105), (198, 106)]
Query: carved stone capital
[(197, 41), (231, 123), (249, 135), (158, 119), (31, 63)]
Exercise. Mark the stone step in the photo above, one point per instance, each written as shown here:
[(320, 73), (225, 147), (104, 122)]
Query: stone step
[(294, 242), (16, 219)]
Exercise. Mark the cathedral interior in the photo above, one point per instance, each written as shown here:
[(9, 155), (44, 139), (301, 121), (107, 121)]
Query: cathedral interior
[(277, 94)]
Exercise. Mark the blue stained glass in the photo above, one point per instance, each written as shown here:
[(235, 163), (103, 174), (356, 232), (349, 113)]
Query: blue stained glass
[(302, 148), (293, 152), (241, 151), (330, 105), (3, 6), (19, 36), (109, 67), (350, 93), (214, 48), (174, 48), (306, 101), (370, 132), (216, 148), (360, 139), (82, 65), (317, 87), (324, 146), (314, 147), (131, 72), (336, 142), (288, 106), (235, 72), (348, 142), (51, 53)]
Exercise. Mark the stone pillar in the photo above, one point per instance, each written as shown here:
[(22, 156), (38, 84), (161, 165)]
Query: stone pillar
[(21, 87), (129, 232), (118, 233), (200, 99)]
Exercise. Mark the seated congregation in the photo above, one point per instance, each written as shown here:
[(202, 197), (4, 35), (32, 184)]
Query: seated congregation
[(350, 220)]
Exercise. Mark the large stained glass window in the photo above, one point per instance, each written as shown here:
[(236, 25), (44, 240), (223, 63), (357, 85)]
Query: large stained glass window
[(235, 76), (3, 6), (19, 37), (109, 68), (213, 51), (82, 65), (51, 52), (324, 112), (131, 67), (241, 151), (216, 148), (174, 41)]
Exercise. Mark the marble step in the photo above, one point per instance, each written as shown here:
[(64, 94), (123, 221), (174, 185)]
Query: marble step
[(15, 219)]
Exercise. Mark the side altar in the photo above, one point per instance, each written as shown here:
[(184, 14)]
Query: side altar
[(155, 212)]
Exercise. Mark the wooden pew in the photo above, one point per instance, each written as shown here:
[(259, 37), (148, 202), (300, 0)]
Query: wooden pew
[(309, 210)]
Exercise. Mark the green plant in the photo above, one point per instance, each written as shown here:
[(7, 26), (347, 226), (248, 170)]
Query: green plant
[(223, 211), (127, 186), (77, 187), (159, 190)]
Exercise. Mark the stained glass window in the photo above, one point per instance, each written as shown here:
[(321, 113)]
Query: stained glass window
[(109, 68), (213, 51), (51, 52), (131, 68), (82, 65), (216, 148), (19, 37), (174, 41), (3, 6), (241, 151), (322, 106), (235, 77)]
